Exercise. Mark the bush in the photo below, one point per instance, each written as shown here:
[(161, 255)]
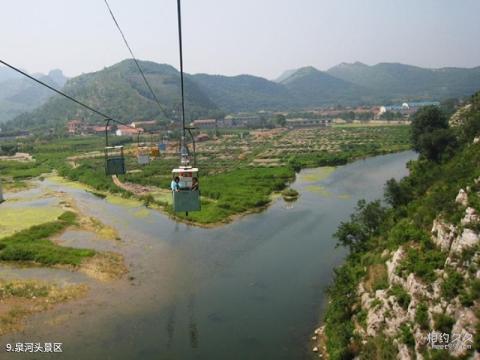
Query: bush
[(452, 285), (406, 335), (403, 298), (422, 262), (443, 323), (379, 347), (421, 316), (405, 231)]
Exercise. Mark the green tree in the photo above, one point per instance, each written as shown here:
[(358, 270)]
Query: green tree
[(431, 135), (280, 120), (363, 224), (425, 121)]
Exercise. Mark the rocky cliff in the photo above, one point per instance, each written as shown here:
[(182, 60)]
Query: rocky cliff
[(410, 288)]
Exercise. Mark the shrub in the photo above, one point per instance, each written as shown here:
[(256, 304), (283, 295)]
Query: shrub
[(452, 285), (443, 323), (421, 316), (403, 298), (406, 335)]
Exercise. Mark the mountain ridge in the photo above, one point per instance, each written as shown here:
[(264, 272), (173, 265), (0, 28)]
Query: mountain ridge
[(120, 90)]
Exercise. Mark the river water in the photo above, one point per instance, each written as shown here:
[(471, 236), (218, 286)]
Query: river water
[(253, 289)]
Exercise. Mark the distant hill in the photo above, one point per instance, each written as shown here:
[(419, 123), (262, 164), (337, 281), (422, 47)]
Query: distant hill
[(245, 92), (285, 74), (399, 82), (119, 91), (8, 74), (19, 94), (311, 87)]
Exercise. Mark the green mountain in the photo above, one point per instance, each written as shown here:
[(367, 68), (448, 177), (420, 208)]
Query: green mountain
[(119, 91), (285, 74), (19, 94), (245, 92), (399, 82), (311, 87)]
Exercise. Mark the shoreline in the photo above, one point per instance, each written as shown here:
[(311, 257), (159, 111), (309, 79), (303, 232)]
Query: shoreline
[(21, 297)]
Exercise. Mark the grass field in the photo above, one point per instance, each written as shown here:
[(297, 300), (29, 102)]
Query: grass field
[(33, 244), (238, 170)]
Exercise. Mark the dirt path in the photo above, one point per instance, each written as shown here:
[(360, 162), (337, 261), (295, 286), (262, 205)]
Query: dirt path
[(136, 189)]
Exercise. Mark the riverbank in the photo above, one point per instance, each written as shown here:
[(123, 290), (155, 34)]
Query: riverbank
[(188, 286), (410, 284), (31, 228)]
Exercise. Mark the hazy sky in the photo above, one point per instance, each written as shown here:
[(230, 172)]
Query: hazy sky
[(260, 37)]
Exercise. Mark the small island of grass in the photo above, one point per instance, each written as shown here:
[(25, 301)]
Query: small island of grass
[(290, 194)]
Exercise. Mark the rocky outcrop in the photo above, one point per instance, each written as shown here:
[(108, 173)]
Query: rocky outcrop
[(465, 324), (443, 234), (471, 217), (450, 238), (462, 198), (466, 240), (391, 309), (458, 118)]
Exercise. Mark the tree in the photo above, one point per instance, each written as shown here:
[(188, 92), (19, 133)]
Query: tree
[(364, 224), (425, 121), (395, 195), (431, 135), (438, 144), (280, 120)]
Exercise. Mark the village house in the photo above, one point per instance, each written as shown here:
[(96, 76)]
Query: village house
[(205, 123), (75, 127), (201, 137), (136, 124), (301, 122), (123, 130)]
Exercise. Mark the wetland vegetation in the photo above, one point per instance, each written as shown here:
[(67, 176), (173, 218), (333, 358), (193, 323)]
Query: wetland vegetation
[(236, 163)]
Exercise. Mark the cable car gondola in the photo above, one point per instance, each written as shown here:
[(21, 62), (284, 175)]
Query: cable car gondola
[(162, 147), (114, 157), (154, 150), (185, 187), (143, 152)]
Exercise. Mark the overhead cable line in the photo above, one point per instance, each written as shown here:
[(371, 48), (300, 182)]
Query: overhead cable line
[(136, 62), (180, 45)]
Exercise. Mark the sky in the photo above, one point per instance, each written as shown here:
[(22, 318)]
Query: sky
[(232, 37)]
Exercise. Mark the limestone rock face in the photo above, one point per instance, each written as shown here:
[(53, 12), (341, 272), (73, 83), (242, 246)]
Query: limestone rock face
[(416, 288), (384, 313), (465, 323), (471, 216), (467, 239), (462, 198), (403, 353), (392, 265), (443, 234)]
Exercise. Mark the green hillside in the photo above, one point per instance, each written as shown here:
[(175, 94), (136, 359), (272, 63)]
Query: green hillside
[(245, 92), (119, 91), (312, 87), (399, 82)]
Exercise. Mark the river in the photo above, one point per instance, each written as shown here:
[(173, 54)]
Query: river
[(253, 289)]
